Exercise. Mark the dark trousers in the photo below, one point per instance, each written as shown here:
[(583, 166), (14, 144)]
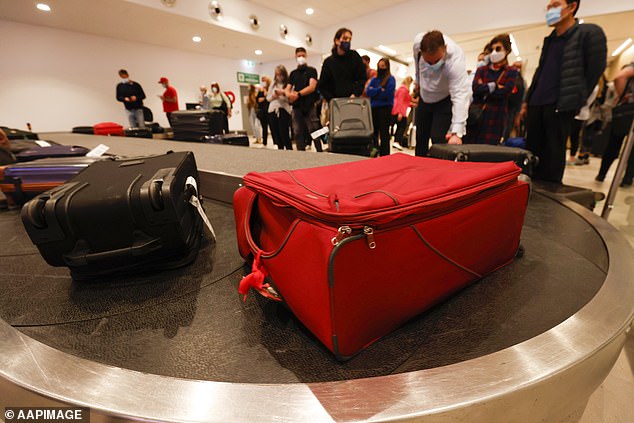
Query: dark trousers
[(547, 132), (264, 121), (280, 123), (432, 121), (381, 117), (575, 134), (401, 126), (303, 125), (611, 153)]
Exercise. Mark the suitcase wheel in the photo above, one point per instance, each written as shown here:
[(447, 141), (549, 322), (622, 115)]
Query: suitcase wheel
[(35, 212)]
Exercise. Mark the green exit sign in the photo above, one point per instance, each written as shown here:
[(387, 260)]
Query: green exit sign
[(248, 78)]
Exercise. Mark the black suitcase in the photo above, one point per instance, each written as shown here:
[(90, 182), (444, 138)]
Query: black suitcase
[(119, 216), (20, 145), (138, 132), (351, 130), (193, 125), (230, 138), (6, 157), (485, 153), (88, 130), (17, 134), (586, 197)]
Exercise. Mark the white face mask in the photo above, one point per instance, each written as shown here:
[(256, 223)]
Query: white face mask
[(301, 61), (125, 80), (497, 56), (214, 90)]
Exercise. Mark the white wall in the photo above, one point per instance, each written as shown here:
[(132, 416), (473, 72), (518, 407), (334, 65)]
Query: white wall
[(59, 79)]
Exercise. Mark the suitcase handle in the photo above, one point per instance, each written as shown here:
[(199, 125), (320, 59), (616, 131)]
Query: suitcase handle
[(136, 250), (34, 212), (155, 193)]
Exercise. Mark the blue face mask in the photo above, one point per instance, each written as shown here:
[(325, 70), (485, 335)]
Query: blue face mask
[(435, 67), (553, 16), (345, 46)]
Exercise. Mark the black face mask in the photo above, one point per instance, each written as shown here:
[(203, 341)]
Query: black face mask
[(381, 73)]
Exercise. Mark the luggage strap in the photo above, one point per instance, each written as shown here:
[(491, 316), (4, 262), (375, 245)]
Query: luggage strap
[(194, 201), (256, 279)]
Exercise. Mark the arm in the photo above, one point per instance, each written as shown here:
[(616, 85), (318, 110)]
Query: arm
[(460, 93), (373, 88), (621, 78), (325, 84), (385, 93), (119, 94), (141, 94), (480, 86), (4, 141), (359, 78), (595, 54), (228, 103), (503, 91)]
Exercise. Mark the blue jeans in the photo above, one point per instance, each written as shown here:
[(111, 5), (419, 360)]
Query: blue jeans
[(135, 117)]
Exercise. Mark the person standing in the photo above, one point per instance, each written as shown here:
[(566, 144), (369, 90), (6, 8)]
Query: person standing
[(402, 102), (203, 98), (445, 94), (252, 106), (380, 90), (131, 94), (343, 73), (169, 98), (219, 101), (302, 95), (492, 86), (280, 109), (263, 107), (573, 58)]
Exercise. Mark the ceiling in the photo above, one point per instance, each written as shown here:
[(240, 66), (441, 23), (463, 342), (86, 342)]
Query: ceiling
[(131, 21)]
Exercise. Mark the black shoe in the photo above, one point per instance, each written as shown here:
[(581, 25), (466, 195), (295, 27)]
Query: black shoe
[(599, 178), (626, 183)]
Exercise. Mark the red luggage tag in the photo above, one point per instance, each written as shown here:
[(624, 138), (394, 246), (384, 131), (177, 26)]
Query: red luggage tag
[(255, 280)]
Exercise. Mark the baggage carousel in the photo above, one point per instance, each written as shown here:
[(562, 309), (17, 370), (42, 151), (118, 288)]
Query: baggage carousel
[(528, 343)]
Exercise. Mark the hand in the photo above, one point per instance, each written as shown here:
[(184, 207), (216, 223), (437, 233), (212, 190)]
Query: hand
[(293, 96), (399, 117), (523, 111), (126, 98), (161, 97), (453, 139), (133, 98), (352, 96), (229, 113)]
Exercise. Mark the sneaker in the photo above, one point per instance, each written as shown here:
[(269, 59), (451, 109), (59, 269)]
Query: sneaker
[(581, 161), (397, 146)]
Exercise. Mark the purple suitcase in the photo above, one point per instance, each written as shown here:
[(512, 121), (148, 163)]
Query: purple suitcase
[(23, 181), (37, 152)]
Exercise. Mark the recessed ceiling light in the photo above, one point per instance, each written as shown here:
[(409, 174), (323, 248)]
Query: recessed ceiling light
[(43, 7), (258, 52), (196, 39), (310, 11)]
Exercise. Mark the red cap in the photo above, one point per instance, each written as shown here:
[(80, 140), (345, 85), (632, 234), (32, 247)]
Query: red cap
[(163, 80)]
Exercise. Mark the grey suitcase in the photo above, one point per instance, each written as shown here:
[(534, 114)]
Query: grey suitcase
[(350, 129)]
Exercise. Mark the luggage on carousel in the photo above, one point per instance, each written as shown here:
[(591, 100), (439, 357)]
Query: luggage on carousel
[(230, 138), (6, 157), (39, 152), (18, 134), (193, 125), (23, 181), (350, 129), (139, 132), (356, 250), (88, 130), (126, 215), (485, 153), (109, 128), (20, 145)]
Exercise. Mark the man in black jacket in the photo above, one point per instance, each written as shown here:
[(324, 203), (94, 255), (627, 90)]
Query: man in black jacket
[(303, 94), (572, 60), (131, 95)]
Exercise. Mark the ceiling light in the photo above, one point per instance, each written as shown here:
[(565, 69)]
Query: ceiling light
[(258, 52), (622, 47), (196, 39), (516, 51), (386, 50), (43, 7), (310, 11)]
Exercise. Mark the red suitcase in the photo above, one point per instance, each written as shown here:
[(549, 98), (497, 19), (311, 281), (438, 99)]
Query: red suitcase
[(109, 128), (357, 249)]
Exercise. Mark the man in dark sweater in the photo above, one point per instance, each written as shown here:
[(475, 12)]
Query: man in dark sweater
[(131, 95), (343, 73), (572, 60), (302, 95)]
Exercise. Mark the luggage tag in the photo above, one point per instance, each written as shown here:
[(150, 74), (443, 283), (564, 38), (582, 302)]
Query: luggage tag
[(318, 133), (194, 201), (98, 151)]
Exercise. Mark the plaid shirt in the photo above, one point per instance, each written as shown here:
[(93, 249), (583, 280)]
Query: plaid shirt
[(494, 115)]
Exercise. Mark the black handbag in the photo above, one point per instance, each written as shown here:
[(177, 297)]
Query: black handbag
[(475, 114)]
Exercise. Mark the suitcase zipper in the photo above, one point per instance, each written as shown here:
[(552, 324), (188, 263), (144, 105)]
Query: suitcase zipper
[(345, 231)]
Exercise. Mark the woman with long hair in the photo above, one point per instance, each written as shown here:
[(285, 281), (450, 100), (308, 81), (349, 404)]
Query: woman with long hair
[(280, 109), (252, 105), (492, 85), (381, 93)]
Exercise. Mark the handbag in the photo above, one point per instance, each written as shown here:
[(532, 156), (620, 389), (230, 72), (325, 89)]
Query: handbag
[(476, 110), (623, 114)]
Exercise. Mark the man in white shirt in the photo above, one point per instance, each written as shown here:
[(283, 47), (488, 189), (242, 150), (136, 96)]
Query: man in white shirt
[(445, 92)]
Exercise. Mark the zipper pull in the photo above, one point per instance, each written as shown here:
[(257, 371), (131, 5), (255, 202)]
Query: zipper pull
[(369, 234), (342, 232)]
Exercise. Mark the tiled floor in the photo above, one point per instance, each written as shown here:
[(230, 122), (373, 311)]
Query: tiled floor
[(613, 401)]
